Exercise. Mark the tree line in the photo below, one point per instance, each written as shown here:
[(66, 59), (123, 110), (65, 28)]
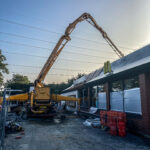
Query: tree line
[(20, 82)]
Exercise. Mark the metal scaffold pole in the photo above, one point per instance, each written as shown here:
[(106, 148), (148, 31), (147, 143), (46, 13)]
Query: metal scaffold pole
[(2, 122)]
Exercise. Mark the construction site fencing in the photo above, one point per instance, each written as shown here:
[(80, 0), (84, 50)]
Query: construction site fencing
[(2, 122)]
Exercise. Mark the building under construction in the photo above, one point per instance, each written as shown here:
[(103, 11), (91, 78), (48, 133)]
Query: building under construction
[(120, 87), (125, 89)]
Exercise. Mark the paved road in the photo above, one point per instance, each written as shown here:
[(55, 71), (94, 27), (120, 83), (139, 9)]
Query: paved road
[(70, 135)]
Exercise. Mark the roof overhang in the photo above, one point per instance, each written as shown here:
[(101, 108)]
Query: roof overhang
[(131, 71)]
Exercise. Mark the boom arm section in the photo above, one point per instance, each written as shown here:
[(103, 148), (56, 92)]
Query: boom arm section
[(64, 40), (20, 97)]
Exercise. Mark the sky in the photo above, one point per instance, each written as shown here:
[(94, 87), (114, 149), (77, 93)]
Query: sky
[(29, 30)]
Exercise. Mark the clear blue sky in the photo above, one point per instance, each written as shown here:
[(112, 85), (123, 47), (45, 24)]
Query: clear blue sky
[(126, 22)]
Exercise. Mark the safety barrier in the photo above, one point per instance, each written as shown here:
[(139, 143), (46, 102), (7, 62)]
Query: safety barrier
[(116, 121)]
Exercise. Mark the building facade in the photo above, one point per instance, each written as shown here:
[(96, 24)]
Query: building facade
[(126, 88)]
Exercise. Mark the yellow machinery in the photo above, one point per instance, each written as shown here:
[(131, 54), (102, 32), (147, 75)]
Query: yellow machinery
[(40, 99)]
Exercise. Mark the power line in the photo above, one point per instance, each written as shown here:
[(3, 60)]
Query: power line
[(102, 43), (70, 60), (78, 61), (52, 68), (64, 27), (49, 49), (22, 44), (30, 73), (28, 26), (26, 37), (89, 55), (24, 54), (46, 30), (37, 39)]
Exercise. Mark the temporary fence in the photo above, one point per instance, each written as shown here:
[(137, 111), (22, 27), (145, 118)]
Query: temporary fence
[(2, 122)]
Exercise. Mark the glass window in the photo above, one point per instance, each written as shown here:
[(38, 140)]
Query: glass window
[(116, 95), (83, 94), (132, 97), (131, 83), (116, 100), (101, 99), (125, 95), (94, 91), (101, 88), (117, 86), (132, 101)]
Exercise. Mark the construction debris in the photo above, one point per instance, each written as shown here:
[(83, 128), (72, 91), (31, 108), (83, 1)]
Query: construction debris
[(92, 123), (96, 123), (88, 122), (12, 127), (93, 110)]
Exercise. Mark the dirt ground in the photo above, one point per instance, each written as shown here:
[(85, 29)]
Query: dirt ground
[(71, 134)]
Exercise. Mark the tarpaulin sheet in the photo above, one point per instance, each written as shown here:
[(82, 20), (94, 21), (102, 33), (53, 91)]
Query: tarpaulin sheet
[(132, 101), (101, 101), (116, 101)]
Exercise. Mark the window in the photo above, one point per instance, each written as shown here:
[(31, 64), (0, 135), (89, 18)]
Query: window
[(125, 95), (83, 95), (101, 98), (117, 86), (101, 88), (132, 97), (116, 96), (131, 83)]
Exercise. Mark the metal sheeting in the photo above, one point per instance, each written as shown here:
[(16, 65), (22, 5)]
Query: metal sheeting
[(101, 101), (116, 101), (96, 73), (80, 80), (90, 76), (135, 59), (132, 101)]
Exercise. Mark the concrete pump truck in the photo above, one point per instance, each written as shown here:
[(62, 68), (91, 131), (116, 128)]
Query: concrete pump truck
[(39, 101)]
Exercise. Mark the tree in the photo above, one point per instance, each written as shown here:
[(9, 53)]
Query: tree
[(58, 88), (19, 82), (20, 79), (3, 67), (70, 81)]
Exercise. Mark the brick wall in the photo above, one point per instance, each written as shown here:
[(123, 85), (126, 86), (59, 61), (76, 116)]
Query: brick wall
[(144, 80), (142, 123), (136, 122)]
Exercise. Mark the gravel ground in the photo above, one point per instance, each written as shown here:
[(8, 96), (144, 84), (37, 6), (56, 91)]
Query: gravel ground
[(71, 134)]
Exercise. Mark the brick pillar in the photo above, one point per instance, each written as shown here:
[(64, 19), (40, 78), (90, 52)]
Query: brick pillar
[(144, 81), (107, 87)]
